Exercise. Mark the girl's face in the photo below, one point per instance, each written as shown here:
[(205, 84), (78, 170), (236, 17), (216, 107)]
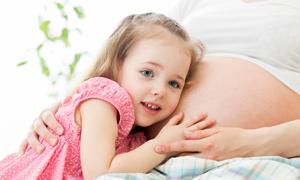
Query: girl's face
[(154, 75)]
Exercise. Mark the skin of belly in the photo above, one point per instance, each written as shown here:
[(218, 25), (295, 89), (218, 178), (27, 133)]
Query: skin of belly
[(237, 93)]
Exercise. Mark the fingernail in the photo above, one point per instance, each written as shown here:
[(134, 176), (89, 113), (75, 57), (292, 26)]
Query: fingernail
[(187, 136), (158, 148), (59, 130), (40, 149), (53, 141)]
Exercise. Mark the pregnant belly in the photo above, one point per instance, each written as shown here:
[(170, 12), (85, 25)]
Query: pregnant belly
[(239, 94)]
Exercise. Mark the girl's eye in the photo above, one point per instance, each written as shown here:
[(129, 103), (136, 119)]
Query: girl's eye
[(147, 73), (174, 84)]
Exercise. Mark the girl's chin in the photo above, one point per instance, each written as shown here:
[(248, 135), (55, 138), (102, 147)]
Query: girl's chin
[(144, 122)]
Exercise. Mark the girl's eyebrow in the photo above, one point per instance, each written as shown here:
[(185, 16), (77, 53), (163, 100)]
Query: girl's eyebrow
[(160, 66), (154, 64)]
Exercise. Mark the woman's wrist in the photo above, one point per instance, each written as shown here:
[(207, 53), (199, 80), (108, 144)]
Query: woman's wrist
[(260, 142), (279, 140), (285, 139), (269, 141)]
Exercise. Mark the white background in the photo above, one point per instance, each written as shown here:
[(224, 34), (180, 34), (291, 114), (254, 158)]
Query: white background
[(23, 90)]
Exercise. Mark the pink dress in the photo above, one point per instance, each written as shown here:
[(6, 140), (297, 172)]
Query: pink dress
[(63, 161)]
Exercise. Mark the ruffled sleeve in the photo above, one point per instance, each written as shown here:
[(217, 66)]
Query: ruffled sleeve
[(111, 92)]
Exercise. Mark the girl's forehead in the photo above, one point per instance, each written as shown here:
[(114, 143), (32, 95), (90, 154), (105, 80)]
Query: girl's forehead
[(165, 38), (160, 44), (158, 31)]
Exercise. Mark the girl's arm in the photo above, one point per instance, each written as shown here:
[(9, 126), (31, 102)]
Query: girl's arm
[(99, 133), (97, 147), (140, 160), (144, 158)]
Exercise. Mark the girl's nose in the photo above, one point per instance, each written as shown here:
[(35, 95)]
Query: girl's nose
[(159, 91)]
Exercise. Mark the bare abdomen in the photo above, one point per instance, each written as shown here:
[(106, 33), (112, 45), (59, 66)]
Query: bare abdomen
[(239, 94)]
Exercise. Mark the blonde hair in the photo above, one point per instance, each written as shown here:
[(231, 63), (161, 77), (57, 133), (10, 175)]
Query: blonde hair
[(132, 29)]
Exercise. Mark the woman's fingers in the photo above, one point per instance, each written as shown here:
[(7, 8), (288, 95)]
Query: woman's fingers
[(34, 142), (200, 134), (199, 155), (23, 146), (182, 146), (194, 142), (47, 118), (40, 128)]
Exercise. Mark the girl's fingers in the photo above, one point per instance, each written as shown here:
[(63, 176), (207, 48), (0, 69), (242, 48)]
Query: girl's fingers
[(195, 119), (200, 134), (202, 125), (175, 119)]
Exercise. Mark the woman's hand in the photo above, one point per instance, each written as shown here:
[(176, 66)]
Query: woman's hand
[(40, 127), (224, 144), (175, 129)]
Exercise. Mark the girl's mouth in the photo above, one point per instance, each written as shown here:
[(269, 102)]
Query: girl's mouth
[(151, 108)]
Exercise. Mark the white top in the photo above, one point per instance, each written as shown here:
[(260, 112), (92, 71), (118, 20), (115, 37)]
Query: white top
[(265, 32)]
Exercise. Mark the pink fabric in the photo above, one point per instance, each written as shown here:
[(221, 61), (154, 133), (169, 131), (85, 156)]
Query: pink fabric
[(63, 160)]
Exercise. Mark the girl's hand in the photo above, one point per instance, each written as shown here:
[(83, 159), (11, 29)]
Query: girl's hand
[(40, 127), (218, 143), (175, 129)]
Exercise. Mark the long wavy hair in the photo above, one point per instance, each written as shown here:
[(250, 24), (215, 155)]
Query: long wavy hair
[(132, 29)]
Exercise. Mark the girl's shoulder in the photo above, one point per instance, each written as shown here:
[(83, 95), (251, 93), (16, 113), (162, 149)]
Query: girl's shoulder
[(110, 91), (105, 89), (98, 82)]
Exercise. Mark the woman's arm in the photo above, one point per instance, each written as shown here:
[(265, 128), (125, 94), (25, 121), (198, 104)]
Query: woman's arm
[(286, 141), (274, 140), (279, 140)]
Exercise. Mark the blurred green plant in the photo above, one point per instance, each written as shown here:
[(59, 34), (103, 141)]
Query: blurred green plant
[(56, 22)]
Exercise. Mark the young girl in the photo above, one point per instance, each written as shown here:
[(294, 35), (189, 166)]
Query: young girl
[(136, 82)]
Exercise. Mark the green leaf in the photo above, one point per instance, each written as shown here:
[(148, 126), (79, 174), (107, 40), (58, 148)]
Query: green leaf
[(73, 65), (44, 27), (79, 11), (59, 6), (65, 16), (22, 63), (40, 46), (44, 67), (64, 36)]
